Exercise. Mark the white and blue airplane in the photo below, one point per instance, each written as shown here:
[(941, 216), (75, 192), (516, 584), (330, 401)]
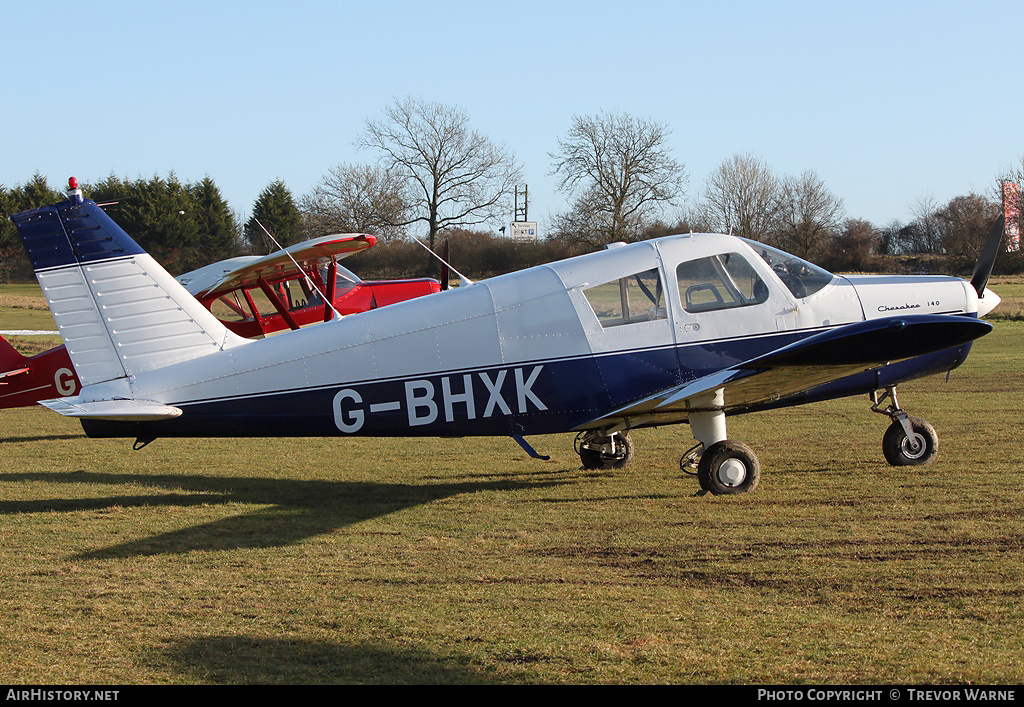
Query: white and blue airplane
[(683, 329)]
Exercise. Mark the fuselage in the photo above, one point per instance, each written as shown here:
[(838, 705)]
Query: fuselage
[(543, 350)]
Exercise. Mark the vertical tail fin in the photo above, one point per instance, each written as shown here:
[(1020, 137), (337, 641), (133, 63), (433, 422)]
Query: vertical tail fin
[(119, 312), (11, 361)]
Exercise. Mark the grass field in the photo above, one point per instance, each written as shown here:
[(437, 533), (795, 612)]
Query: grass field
[(464, 561)]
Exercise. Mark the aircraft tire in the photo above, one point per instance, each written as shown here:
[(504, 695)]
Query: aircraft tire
[(595, 459), (896, 447), (728, 467)]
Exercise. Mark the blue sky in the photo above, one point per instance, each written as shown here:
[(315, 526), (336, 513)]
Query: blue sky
[(889, 102)]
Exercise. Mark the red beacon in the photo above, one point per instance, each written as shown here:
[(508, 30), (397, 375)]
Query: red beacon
[(74, 193)]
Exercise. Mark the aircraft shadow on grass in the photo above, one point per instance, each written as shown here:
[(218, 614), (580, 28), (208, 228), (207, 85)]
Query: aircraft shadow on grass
[(39, 438), (233, 660), (297, 509)]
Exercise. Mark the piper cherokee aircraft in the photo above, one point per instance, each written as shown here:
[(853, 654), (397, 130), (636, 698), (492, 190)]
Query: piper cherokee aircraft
[(682, 329), (252, 295)]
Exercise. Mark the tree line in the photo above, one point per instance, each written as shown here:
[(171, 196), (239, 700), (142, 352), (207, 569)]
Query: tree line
[(432, 175)]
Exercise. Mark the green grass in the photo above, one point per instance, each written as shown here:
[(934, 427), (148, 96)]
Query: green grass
[(23, 307), (464, 561), (1010, 289)]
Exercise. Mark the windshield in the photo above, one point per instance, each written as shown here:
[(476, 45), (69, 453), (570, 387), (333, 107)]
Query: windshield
[(801, 277)]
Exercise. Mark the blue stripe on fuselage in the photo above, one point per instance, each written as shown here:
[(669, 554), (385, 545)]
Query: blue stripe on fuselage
[(538, 397)]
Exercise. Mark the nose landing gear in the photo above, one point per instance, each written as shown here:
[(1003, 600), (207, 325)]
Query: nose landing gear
[(909, 441)]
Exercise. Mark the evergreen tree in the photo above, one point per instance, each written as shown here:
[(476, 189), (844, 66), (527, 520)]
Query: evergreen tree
[(277, 212), (158, 214), (217, 226), (36, 192), (14, 262), (12, 255), (184, 226)]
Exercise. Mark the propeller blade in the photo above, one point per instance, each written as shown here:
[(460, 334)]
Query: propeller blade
[(987, 259)]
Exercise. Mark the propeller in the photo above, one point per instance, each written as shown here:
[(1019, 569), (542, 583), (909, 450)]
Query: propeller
[(987, 259)]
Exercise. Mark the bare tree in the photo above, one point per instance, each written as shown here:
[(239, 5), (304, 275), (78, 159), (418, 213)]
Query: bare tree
[(455, 176), (890, 238), (742, 197), (809, 215), (357, 198), (620, 172), (586, 223), (854, 245), (1013, 173), (964, 224), (926, 235)]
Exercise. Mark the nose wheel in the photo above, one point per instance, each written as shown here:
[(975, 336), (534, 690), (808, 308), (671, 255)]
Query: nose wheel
[(910, 449), (908, 441)]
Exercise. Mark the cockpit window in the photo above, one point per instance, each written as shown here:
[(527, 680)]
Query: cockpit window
[(628, 300), (802, 278), (719, 282)]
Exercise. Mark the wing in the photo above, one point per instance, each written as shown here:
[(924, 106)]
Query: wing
[(227, 275), (806, 364)]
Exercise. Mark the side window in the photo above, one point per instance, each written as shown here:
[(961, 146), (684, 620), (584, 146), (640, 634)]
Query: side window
[(628, 300), (719, 282), (231, 308), (301, 295), (802, 278)]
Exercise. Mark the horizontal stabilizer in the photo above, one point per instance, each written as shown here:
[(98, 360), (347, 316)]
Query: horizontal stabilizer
[(14, 372), (809, 363), (121, 410)]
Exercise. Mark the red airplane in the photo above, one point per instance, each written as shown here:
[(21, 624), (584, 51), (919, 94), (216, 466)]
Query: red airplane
[(254, 296)]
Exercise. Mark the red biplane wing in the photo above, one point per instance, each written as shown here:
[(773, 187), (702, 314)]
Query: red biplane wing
[(246, 271)]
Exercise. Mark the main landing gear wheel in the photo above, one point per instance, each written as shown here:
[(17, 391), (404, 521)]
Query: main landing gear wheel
[(918, 448), (728, 467), (600, 451)]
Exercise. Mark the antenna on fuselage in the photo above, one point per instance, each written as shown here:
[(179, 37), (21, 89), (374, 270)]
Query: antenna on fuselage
[(309, 280)]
